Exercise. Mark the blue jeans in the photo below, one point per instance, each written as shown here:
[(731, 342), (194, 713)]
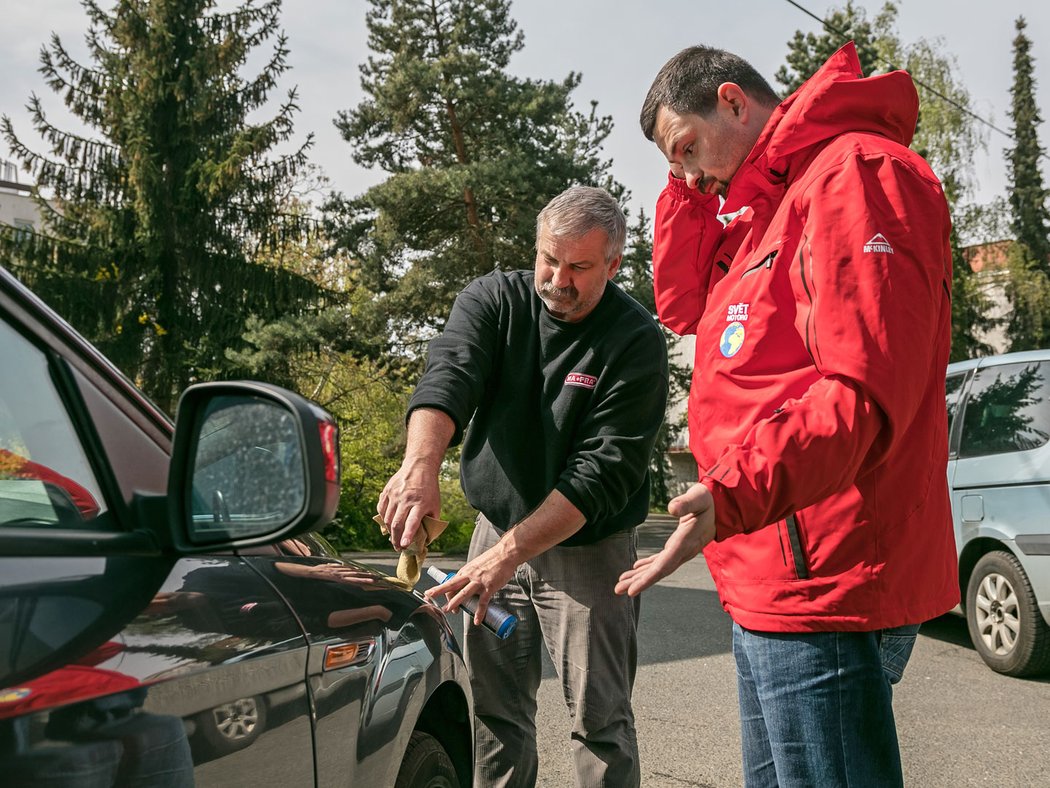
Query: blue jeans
[(816, 707)]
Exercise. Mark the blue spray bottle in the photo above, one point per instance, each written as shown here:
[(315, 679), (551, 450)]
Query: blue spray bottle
[(497, 620)]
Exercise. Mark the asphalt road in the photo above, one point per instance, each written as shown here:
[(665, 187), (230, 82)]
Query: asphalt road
[(960, 724)]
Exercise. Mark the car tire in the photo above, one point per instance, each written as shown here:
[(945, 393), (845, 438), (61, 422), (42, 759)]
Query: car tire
[(1003, 617), (232, 726), (426, 765)]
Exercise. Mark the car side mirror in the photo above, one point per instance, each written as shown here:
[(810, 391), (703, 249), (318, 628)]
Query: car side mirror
[(252, 463)]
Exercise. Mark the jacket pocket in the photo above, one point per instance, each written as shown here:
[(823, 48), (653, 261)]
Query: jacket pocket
[(791, 544), (764, 264)]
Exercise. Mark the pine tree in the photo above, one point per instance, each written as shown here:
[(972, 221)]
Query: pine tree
[(155, 222), (472, 153), (1028, 288), (1031, 221), (807, 52)]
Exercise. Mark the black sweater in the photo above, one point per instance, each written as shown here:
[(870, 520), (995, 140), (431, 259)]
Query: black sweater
[(555, 405)]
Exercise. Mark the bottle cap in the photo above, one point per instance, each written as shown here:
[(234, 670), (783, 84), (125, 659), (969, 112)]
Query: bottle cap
[(437, 575)]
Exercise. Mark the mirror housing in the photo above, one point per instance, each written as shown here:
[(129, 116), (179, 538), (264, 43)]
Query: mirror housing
[(252, 463)]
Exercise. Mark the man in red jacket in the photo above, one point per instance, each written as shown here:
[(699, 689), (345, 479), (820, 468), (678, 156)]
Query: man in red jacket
[(816, 413)]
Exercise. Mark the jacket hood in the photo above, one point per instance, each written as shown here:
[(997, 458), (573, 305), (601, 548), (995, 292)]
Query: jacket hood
[(836, 99)]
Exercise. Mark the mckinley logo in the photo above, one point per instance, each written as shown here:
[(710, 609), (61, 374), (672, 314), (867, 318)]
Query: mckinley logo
[(581, 380), (878, 244)]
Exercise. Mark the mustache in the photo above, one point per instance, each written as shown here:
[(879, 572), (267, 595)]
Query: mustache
[(548, 289)]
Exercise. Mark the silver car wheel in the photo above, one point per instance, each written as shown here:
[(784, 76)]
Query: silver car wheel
[(998, 620), (237, 720)]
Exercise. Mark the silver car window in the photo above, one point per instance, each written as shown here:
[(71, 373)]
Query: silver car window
[(1007, 409)]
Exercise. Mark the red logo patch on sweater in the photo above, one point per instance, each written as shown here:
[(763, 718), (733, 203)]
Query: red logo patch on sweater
[(581, 380)]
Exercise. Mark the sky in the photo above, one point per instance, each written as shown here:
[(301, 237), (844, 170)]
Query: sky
[(617, 46)]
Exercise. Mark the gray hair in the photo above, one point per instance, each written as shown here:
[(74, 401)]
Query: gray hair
[(688, 84), (580, 209)]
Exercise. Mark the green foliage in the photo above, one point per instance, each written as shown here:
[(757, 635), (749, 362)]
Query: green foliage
[(1027, 194), (319, 356), (455, 509), (1028, 290), (946, 135), (636, 278), (636, 270), (972, 303), (156, 223), (365, 389), (807, 52), (472, 155)]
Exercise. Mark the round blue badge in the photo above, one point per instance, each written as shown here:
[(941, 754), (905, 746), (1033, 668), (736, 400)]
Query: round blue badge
[(732, 340)]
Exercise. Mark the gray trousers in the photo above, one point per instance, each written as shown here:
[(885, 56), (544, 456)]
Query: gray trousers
[(564, 600)]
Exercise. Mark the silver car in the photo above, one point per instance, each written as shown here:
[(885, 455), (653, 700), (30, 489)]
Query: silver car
[(999, 474)]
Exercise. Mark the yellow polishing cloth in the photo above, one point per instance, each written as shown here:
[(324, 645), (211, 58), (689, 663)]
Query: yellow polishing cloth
[(410, 564)]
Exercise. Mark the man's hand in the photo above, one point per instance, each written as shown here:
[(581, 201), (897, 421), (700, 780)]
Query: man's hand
[(411, 493), (695, 510), (481, 578)]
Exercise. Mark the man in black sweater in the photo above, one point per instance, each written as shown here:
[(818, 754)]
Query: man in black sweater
[(562, 378)]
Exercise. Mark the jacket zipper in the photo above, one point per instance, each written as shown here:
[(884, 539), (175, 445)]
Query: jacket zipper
[(795, 546), (766, 262)]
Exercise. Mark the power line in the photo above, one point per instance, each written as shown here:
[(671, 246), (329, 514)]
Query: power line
[(846, 37)]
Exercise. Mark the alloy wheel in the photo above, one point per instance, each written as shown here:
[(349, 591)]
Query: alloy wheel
[(997, 614)]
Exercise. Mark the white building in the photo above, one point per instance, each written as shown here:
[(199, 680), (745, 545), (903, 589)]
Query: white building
[(16, 203)]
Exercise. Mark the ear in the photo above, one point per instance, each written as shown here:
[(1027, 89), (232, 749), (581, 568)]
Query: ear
[(614, 266), (732, 99)]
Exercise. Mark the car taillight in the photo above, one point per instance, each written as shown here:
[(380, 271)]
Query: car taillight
[(330, 446)]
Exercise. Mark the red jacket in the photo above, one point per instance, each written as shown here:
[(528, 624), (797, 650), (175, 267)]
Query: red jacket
[(822, 320)]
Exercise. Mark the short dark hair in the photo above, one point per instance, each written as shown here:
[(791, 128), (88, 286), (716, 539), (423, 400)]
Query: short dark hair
[(688, 84)]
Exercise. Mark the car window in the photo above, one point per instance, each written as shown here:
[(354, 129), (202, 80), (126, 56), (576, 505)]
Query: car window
[(1007, 409), (45, 477), (952, 389)]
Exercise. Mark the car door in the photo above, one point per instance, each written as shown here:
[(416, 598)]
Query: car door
[(954, 387), (119, 665), (1000, 484), (372, 655)]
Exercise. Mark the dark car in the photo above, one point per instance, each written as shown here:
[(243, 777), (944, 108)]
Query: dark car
[(166, 615)]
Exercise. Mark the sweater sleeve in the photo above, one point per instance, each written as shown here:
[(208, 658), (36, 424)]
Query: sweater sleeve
[(610, 457), (461, 358), (872, 289), (686, 238)]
